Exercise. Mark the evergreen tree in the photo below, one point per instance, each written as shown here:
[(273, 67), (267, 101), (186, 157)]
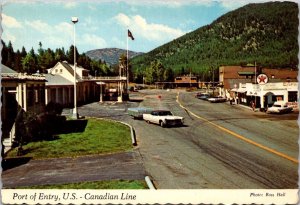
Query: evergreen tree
[(18, 62), (4, 53), (23, 52), (10, 55), (70, 55), (29, 63), (60, 55)]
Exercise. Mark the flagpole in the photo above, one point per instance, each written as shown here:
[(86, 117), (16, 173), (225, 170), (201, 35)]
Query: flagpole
[(127, 61)]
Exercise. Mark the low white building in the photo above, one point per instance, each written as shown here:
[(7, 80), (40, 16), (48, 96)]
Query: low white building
[(266, 94), (60, 85)]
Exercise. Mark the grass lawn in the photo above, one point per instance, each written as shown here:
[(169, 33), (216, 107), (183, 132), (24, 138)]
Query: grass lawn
[(113, 184), (95, 137)]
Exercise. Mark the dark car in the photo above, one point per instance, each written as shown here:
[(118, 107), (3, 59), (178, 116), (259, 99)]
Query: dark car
[(204, 96), (198, 95)]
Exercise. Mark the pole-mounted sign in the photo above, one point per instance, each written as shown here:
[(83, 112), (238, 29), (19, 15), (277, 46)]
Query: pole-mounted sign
[(262, 79)]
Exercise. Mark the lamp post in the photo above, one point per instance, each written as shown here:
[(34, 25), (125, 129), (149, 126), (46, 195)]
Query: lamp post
[(75, 113)]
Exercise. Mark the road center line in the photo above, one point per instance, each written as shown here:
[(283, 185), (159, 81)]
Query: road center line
[(237, 135)]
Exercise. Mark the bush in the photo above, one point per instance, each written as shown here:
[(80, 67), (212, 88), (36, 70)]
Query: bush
[(31, 126)]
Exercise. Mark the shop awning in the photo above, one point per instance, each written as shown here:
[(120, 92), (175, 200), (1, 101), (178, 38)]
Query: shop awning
[(246, 73), (241, 90)]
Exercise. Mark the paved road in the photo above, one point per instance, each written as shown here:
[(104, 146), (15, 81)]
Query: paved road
[(26, 172), (201, 155)]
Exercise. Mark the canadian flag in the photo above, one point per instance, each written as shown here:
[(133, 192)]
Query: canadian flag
[(130, 35)]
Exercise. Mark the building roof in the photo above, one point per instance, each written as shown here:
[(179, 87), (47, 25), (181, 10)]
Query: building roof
[(69, 68), (6, 70), (57, 80)]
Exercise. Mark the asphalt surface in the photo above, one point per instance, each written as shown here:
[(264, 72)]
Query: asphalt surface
[(26, 172), (205, 152)]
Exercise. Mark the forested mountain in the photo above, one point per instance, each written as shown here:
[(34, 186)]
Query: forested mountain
[(265, 33), (110, 55)]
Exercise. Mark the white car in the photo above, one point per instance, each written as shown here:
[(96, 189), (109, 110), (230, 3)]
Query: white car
[(163, 118), (217, 99), (279, 107)]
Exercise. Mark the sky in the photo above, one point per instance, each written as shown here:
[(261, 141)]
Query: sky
[(104, 23)]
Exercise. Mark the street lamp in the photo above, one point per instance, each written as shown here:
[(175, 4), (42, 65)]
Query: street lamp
[(75, 113)]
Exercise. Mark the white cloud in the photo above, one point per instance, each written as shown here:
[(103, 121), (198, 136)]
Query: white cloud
[(93, 40), (7, 36), (39, 26), (89, 24), (70, 5), (123, 19), (10, 22), (118, 42), (63, 28), (150, 31), (58, 35)]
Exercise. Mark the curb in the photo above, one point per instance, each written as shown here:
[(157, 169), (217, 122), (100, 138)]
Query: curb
[(132, 133), (149, 183)]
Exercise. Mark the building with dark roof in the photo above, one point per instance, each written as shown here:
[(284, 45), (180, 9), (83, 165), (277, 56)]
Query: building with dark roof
[(246, 84)]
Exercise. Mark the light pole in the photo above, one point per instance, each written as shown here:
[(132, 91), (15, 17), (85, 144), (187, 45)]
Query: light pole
[(75, 113)]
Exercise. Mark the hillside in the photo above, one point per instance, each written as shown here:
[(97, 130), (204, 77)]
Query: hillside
[(266, 33), (110, 55)]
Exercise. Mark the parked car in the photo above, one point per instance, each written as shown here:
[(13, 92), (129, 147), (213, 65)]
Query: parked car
[(197, 95), (217, 99), (279, 107), (204, 96), (163, 118)]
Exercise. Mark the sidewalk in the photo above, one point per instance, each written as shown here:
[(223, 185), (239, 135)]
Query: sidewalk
[(126, 166)]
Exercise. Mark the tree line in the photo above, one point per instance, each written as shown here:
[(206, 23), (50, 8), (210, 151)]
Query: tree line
[(38, 62)]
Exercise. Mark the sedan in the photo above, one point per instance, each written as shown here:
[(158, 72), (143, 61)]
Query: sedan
[(204, 96), (217, 99)]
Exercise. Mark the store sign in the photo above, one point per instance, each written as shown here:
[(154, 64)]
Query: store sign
[(290, 84), (262, 79)]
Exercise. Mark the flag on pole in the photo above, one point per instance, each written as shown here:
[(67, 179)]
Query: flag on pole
[(130, 35)]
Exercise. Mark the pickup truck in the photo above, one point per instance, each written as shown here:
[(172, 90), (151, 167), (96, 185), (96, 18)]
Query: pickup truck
[(279, 107), (163, 118)]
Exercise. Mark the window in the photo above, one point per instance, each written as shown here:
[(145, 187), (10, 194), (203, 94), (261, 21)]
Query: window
[(292, 96), (277, 98), (36, 95)]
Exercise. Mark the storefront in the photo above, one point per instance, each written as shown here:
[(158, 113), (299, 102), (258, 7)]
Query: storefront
[(265, 95)]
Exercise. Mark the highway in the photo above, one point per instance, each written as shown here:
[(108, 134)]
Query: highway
[(220, 147)]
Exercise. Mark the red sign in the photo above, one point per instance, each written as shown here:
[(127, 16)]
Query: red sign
[(262, 79)]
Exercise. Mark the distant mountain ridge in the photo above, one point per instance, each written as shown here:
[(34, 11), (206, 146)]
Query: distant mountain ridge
[(110, 55), (266, 33)]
